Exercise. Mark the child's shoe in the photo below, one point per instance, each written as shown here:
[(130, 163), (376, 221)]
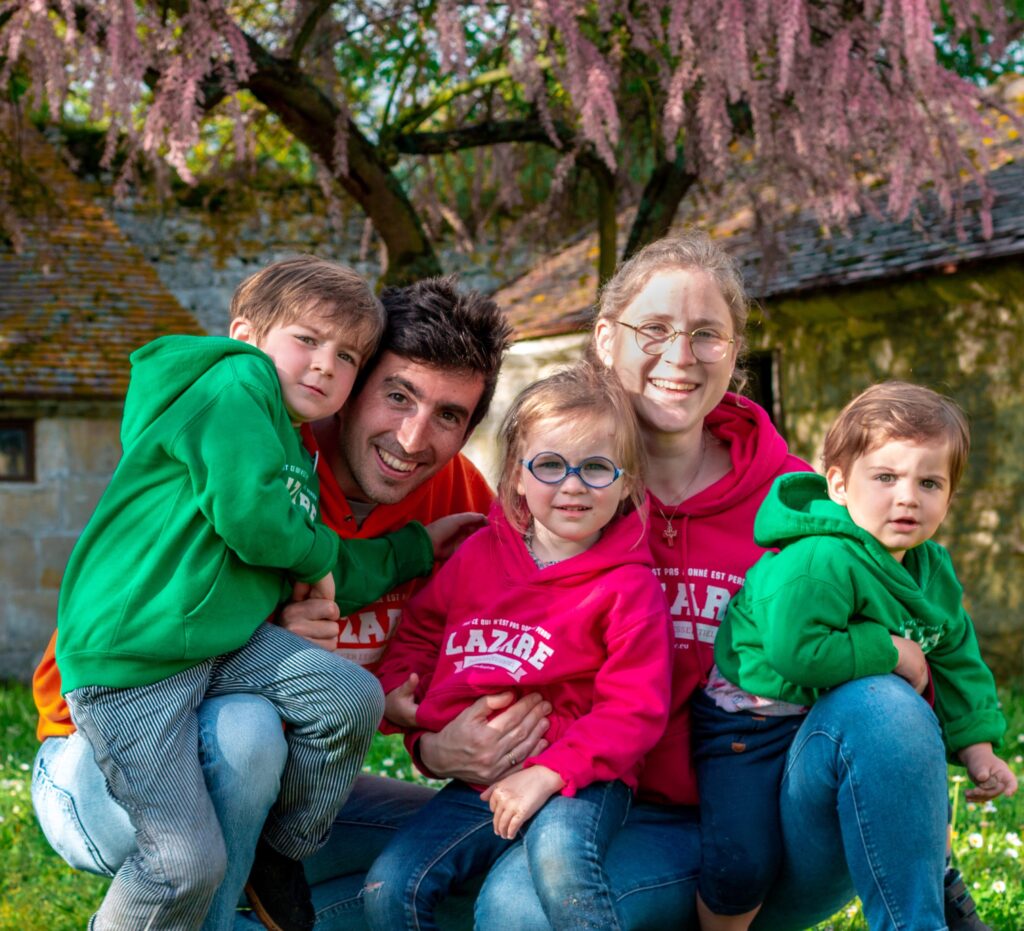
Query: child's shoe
[(961, 912), (278, 891)]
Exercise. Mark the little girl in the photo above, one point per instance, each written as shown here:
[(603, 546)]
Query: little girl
[(555, 596)]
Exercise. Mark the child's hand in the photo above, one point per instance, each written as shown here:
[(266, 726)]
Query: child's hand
[(322, 588), (447, 533), (990, 775), (400, 705), (517, 798), (911, 665)]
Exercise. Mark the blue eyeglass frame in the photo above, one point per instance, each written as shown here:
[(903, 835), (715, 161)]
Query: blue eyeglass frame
[(571, 469)]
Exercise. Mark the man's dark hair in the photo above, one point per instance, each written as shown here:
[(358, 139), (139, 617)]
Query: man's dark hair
[(433, 323)]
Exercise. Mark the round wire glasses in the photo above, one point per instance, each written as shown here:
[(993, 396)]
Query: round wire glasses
[(552, 469), (706, 344)]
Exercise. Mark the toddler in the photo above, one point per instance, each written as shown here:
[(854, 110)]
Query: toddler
[(556, 596), (857, 588)]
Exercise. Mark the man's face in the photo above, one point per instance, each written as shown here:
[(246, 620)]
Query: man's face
[(406, 424)]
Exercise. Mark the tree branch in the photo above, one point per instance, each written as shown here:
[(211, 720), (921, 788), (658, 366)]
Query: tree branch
[(305, 32)]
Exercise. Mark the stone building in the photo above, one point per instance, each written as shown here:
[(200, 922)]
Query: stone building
[(75, 299), (911, 301)]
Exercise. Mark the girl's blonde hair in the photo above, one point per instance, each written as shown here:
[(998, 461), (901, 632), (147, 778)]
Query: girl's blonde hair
[(581, 395)]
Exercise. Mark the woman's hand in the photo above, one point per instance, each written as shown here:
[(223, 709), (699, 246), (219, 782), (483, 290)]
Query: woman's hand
[(517, 798), (911, 665), (477, 750), (315, 619), (990, 775)]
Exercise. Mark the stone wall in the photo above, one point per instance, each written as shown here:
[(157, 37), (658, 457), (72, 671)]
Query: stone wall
[(39, 524)]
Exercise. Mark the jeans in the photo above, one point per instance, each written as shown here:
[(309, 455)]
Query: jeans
[(242, 752), (452, 839), (144, 739), (863, 807), (739, 757)]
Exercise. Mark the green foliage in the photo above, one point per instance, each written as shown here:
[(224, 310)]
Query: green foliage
[(37, 889)]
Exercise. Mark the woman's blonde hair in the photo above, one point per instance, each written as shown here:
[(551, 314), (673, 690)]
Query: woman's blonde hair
[(581, 395)]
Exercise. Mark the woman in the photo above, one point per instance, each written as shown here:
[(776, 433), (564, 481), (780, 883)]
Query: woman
[(864, 798)]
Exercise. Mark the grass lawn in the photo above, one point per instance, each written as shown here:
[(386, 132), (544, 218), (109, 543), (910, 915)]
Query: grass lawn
[(38, 891)]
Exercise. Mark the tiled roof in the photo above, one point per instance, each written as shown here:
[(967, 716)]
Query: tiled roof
[(78, 297), (556, 296)]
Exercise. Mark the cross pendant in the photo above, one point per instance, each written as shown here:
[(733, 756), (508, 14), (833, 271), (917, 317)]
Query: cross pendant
[(669, 533)]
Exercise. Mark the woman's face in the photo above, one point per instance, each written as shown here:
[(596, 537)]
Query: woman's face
[(672, 393)]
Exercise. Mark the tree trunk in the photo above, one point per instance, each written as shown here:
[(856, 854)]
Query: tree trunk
[(313, 118), (659, 202)]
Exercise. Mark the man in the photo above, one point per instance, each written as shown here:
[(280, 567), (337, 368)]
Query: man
[(391, 456)]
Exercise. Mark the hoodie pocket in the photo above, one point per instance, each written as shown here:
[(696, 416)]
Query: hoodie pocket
[(238, 600)]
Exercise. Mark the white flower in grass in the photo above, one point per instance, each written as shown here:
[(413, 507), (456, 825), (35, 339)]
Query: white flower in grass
[(999, 886), (975, 840), (851, 912), (399, 773), (387, 762), (1018, 759), (1013, 838), (989, 807), (24, 767), (1020, 738), (1012, 852)]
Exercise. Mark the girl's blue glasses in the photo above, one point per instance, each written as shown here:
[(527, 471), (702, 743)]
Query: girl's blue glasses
[(552, 469)]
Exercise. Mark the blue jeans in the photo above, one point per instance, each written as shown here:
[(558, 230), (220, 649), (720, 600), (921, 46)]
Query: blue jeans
[(452, 839), (739, 757), (242, 751), (863, 808)]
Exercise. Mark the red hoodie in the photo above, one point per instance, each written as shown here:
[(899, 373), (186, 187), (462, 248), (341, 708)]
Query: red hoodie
[(590, 634), (702, 568)]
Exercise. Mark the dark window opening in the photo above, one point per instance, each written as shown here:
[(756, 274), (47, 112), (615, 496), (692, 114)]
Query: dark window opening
[(762, 367), (17, 451)]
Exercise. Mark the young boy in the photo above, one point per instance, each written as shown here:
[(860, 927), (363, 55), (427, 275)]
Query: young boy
[(209, 519), (857, 588)]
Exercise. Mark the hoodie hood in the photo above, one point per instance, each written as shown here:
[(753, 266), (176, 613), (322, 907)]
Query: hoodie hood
[(623, 542), (165, 368), (798, 507)]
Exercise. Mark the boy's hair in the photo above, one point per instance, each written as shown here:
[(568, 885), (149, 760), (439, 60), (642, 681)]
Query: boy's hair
[(898, 410), (303, 286), (433, 323), (582, 395)]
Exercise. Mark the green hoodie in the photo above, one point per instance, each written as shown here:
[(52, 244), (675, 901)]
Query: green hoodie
[(209, 516), (820, 612)]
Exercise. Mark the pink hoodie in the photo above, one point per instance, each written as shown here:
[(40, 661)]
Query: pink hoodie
[(590, 634), (702, 568)]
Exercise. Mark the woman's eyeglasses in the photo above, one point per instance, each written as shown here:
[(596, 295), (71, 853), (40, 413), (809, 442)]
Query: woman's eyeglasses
[(707, 345), (552, 469)]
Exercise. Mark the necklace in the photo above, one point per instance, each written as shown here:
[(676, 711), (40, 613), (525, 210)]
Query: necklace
[(538, 562), (670, 533)]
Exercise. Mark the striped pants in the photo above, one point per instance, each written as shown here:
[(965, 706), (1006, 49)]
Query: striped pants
[(145, 741)]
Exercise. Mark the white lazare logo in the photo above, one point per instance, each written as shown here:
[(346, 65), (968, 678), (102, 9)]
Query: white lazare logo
[(501, 643), (298, 491)]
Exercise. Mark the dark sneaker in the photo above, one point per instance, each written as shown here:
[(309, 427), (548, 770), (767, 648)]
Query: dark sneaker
[(961, 912), (278, 891)]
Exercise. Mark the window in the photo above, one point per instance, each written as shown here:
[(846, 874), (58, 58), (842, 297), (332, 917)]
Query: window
[(17, 451), (762, 367)]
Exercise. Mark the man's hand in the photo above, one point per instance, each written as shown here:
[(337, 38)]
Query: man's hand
[(911, 665), (475, 749), (446, 533), (400, 705), (990, 775), (517, 798), (315, 619)]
